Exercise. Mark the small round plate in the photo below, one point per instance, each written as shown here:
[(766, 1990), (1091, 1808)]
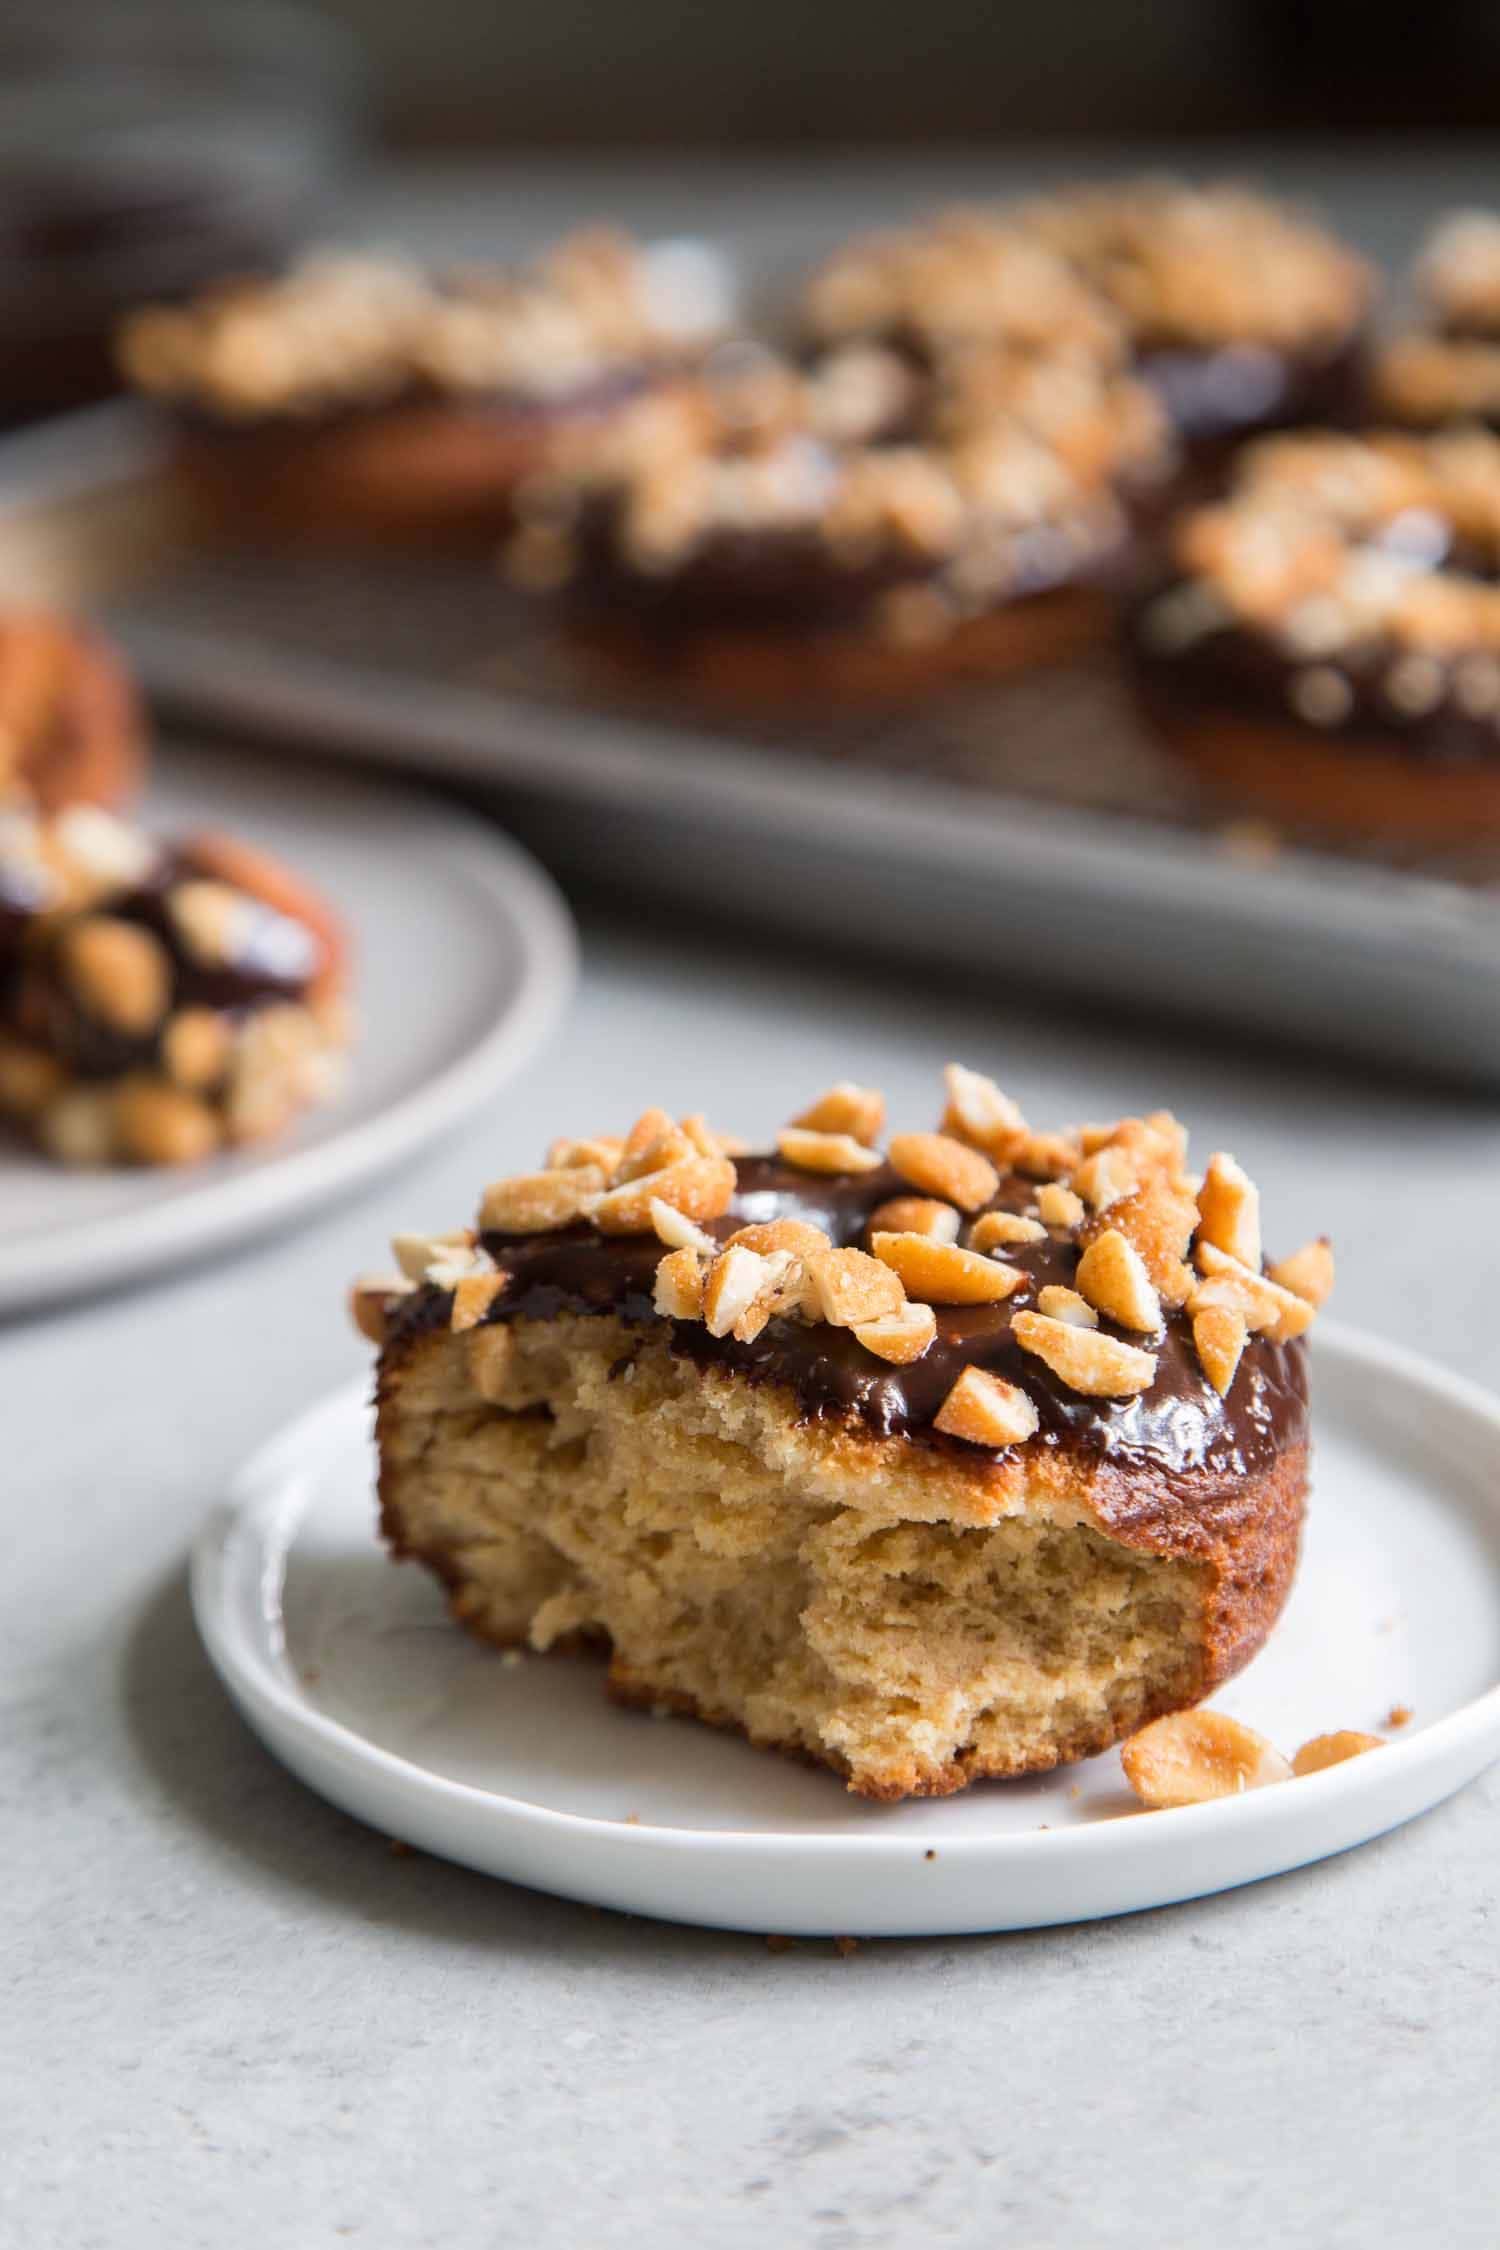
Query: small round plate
[(463, 959), (350, 1671)]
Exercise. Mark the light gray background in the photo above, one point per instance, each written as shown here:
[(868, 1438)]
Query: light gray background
[(228, 2015)]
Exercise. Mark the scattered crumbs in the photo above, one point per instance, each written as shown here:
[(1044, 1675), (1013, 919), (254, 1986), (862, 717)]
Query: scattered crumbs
[(400, 1849), (929, 1855), (632, 1820), (846, 1947), (1076, 1790), (512, 1658), (1398, 1715), (778, 1944)]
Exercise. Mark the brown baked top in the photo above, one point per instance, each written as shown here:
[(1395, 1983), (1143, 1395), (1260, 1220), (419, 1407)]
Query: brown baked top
[(985, 1285), (342, 330)]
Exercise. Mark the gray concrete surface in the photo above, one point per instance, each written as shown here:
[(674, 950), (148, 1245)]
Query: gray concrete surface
[(228, 2015)]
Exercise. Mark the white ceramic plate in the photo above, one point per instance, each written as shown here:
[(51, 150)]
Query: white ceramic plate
[(463, 958), (350, 1671)]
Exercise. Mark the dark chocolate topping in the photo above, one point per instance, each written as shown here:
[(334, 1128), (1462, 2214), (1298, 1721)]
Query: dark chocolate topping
[(1179, 1427)]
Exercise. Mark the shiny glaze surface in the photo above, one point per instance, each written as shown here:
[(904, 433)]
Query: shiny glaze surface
[(1180, 1426)]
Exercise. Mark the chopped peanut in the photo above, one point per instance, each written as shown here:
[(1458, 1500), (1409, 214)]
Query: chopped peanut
[(1159, 1222), (1264, 1303), (858, 1111), (1059, 1206), (811, 1151), (604, 1151), (414, 1253), (370, 1301), (977, 1112), (1333, 1750), (679, 1286), (700, 1187), (983, 1409), (847, 1288), (1066, 1304), (1308, 1272), (473, 1296), (677, 1231), (1046, 1156), (1105, 1177), (1219, 1337), (899, 1337), (1191, 1757), (940, 1166), (1097, 1365), (994, 1228), (706, 1141), (939, 1273), (1229, 1211), (1112, 1275), (915, 1214), (538, 1202), (669, 1147), (793, 1235), (736, 1278), (647, 1129)]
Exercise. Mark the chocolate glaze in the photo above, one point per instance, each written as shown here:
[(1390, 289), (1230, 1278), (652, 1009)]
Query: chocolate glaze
[(1179, 1428), (1248, 674), (594, 394), (1215, 395)]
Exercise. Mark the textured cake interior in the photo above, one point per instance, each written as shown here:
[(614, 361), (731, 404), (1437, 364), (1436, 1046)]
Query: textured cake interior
[(571, 1477)]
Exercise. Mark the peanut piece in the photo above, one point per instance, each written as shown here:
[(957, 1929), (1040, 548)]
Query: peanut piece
[(858, 1111), (196, 1047), (679, 1286), (977, 1112), (812, 1151), (1229, 1211), (370, 1303), (678, 1232), (847, 1288), (992, 1229), (899, 1337), (1219, 1338), (540, 1202), (1333, 1749), (983, 1409), (160, 1124), (700, 1187), (940, 1166), (915, 1214), (1059, 1206), (939, 1273), (796, 1236), (118, 973), (1113, 1277), (1308, 1272), (1098, 1366), (1066, 1304), (1264, 1304), (1191, 1757)]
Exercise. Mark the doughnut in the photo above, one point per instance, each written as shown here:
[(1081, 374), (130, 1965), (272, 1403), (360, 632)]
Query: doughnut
[(1445, 366), (71, 726), (958, 1458), (159, 1003), (731, 548), (1243, 315), (358, 397), (1327, 644)]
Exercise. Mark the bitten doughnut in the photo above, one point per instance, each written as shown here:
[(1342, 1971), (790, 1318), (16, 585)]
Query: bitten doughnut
[(1328, 646), (158, 1003), (733, 545), (1445, 367), (1243, 315), (961, 1457), (71, 726), (359, 395)]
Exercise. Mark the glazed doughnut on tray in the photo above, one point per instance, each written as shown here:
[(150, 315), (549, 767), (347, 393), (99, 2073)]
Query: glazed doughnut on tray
[(1326, 646), (357, 395)]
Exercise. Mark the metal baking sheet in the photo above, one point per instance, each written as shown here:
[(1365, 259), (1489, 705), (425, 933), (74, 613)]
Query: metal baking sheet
[(1030, 829)]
